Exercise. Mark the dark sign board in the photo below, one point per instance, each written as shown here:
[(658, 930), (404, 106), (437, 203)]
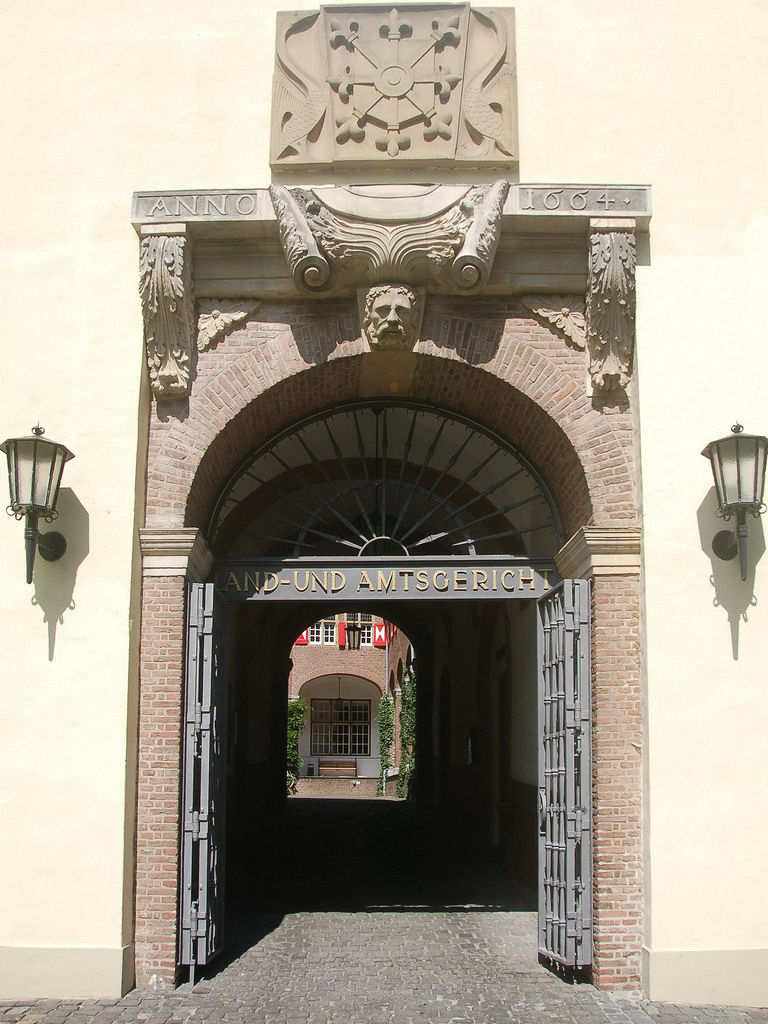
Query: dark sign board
[(371, 579)]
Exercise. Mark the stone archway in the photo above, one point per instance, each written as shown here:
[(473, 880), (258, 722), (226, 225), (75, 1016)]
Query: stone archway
[(530, 390)]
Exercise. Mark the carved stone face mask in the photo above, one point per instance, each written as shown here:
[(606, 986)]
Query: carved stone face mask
[(392, 316)]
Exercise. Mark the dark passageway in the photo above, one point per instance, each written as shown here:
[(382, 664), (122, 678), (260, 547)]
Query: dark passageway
[(358, 855)]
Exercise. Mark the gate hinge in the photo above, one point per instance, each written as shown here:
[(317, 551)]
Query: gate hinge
[(195, 830)]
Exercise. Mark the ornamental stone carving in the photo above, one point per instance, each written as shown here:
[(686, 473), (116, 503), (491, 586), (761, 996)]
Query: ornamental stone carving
[(168, 306), (563, 312), (217, 317), (611, 303), (391, 316), (365, 84), (347, 236)]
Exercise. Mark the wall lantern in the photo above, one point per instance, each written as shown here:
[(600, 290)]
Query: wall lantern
[(738, 466), (35, 466), (353, 636)]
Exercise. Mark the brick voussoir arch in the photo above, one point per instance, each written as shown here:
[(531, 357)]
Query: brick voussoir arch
[(352, 675), (521, 394)]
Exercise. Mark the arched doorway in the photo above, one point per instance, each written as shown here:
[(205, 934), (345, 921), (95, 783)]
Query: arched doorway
[(386, 481), (334, 477)]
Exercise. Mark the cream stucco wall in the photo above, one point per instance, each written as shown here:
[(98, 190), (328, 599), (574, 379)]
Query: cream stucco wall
[(96, 102)]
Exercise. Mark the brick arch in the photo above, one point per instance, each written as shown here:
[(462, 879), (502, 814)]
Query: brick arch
[(530, 391), (352, 675)]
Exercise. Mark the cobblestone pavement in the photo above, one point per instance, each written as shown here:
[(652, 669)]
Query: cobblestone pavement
[(415, 946)]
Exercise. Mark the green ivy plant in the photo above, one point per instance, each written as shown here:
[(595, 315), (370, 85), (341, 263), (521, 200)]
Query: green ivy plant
[(407, 732), (297, 709), (386, 738)]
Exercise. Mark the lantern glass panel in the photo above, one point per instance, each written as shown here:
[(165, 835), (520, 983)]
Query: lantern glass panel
[(730, 478), (35, 467), (738, 467), (20, 466)]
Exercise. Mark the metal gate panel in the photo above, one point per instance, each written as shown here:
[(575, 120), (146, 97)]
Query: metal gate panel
[(204, 782), (565, 805)]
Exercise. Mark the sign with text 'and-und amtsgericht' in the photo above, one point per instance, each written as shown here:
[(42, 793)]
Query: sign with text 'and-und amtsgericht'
[(358, 579)]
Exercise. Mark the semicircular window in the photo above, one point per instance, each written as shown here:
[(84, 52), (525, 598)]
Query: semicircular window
[(384, 479)]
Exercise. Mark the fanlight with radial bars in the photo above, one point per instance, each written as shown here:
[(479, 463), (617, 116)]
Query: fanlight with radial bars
[(384, 479)]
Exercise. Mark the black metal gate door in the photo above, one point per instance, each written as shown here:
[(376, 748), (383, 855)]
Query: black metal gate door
[(565, 805), (203, 798)]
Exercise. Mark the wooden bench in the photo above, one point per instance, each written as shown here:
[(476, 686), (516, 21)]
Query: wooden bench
[(339, 768)]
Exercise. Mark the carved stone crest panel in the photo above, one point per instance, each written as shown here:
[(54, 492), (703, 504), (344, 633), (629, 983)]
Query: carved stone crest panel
[(357, 85)]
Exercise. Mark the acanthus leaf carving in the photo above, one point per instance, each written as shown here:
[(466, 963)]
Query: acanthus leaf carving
[(168, 307), (566, 313), (216, 317), (611, 307), (368, 236)]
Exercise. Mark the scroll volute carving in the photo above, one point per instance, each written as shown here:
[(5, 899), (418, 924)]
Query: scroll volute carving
[(346, 237), (168, 306)]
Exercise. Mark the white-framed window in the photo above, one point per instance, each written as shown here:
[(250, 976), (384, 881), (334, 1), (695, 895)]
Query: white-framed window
[(341, 727), (322, 632), (365, 621)]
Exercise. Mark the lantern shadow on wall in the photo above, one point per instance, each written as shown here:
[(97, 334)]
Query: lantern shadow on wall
[(55, 582), (731, 593)]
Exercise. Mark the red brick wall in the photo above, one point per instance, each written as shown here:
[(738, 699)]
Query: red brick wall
[(312, 660), (159, 778), (616, 781)]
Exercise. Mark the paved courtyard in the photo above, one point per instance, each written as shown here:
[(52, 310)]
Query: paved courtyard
[(354, 914)]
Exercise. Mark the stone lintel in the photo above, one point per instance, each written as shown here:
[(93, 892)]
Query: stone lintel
[(529, 208), (600, 551), (175, 552)]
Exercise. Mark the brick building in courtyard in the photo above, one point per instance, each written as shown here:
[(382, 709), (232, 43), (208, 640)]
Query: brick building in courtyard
[(342, 666)]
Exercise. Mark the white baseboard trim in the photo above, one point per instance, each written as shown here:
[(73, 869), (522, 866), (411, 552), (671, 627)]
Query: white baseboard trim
[(30, 972), (723, 977)]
